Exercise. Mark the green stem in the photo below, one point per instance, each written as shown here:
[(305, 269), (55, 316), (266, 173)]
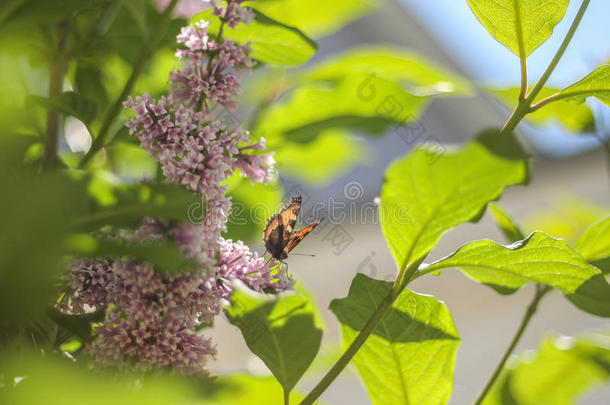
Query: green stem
[(57, 69), (557, 57), (147, 51), (401, 282), (524, 106), (522, 55), (530, 311)]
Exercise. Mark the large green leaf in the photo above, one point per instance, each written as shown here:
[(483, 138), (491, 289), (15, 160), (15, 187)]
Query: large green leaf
[(596, 84), (559, 372), (409, 357), (575, 118), (281, 331), (336, 151), (431, 190), (594, 243), (418, 75), (535, 259), (519, 25), (272, 42), (357, 101), (316, 21)]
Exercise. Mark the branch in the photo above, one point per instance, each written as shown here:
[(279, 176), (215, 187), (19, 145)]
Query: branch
[(147, 51), (530, 311)]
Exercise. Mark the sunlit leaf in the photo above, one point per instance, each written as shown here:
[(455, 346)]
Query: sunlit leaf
[(596, 84), (575, 118), (414, 73), (357, 101), (409, 357), (519, 24), (506, 224), (535, 259), (315, 21), (559, 372), (431, 190), (594, 243), (272, 42), (336, 152), (247, 389), (281, 331)]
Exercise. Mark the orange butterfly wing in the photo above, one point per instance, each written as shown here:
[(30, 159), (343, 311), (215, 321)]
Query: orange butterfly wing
[(298, 236)]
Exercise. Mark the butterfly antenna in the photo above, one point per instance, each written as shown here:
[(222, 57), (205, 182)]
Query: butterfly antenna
[(303, 254)]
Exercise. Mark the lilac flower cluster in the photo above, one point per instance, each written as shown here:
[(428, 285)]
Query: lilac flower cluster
[(152, 319)]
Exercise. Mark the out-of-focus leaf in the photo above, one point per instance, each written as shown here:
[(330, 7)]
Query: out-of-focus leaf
[(575, 118), (358, 101), (506, 224), (567, 219), (417, 75), (164, 255), (34, 213), (251, 207), (88, 78), (315, 21), (34, 12), (54, 381), (78, 325), (409, 357), (594, 243), (559, 372), (281, 331), (124, 205), (596, 84), (429, 191), (245, 389), (131, 161), (272, 42), (69, 103), (519, 25), (335, 151)]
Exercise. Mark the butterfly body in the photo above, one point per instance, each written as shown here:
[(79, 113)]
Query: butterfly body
[(279, 235)]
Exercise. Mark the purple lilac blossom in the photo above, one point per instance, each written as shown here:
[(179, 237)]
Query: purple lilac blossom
[(151, 318)]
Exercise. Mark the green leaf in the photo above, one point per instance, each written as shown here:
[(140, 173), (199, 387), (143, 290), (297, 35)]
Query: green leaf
[(88, 80), (281, 331), (272, 42), (563, 369), (315, 21), (431, 190), (164, 255), (125, 205), (56, 381), (415, 74), (567, 218), (535, 259), (245, 389), (357, 101), (594, 243), (69, 103), (596, 84), (574, 118), (409, 357), (519, 25), (506, 224), (336, 152)]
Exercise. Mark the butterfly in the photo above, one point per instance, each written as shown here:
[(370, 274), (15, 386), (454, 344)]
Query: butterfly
[(278, 234)]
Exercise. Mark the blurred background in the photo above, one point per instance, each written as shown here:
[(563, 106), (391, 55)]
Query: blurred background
[(569, 188)]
